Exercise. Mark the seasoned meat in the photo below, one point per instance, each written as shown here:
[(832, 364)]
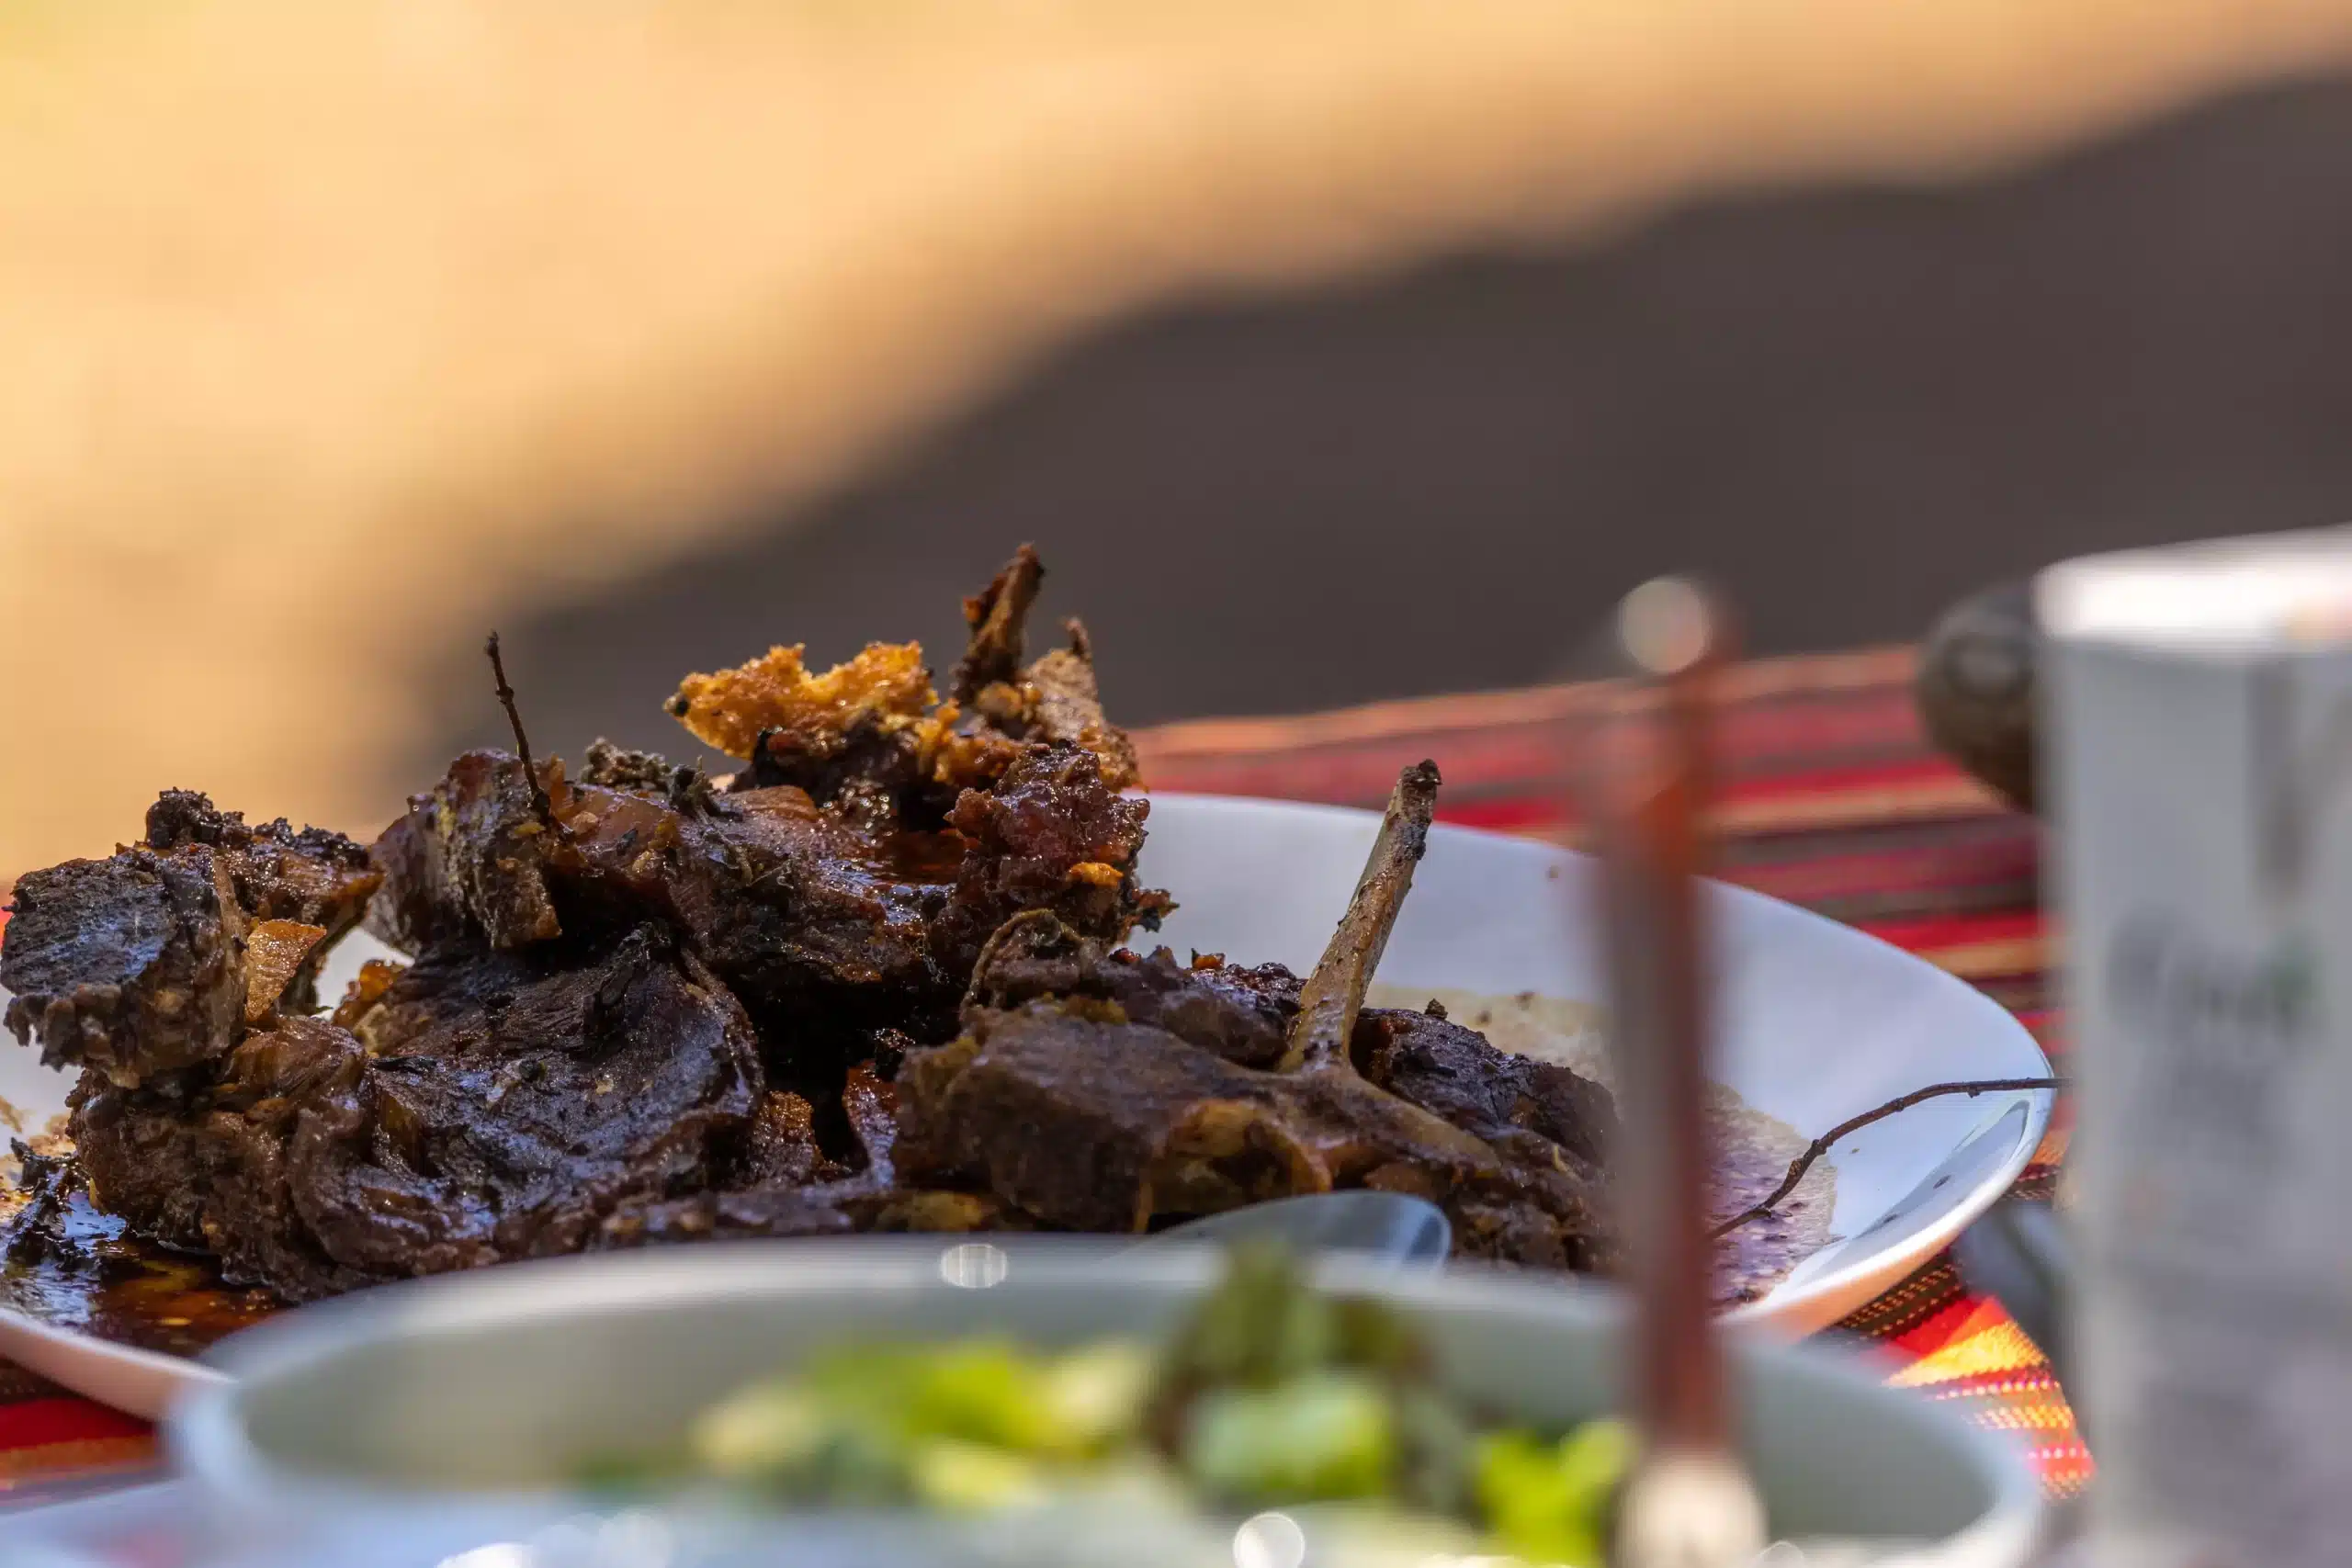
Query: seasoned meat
[(137, 964), (1444, 1068), (804, 913), (313, 877), (872, 739), (1052, 835), (1091, 1124), (513, 1102), (1244, 1014), (128, 965), (1054, 700), (468, 862), (871, 981), (274, 1087), (782, 1149), (143, 1153), (1240, 1014), (1097, 1090), (485, 1107), (1097, 1125)]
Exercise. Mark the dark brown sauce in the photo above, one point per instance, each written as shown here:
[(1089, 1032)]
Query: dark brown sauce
[(1766, 1250), (87, 1272)]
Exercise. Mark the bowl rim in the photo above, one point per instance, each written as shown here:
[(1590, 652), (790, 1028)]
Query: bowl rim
[(207, 1438)]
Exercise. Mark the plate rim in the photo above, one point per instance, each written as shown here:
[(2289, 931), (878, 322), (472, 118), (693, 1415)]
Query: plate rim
[(62, 1354)]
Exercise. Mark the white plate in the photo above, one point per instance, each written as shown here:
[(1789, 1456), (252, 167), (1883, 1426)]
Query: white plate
[(1814, 1023)]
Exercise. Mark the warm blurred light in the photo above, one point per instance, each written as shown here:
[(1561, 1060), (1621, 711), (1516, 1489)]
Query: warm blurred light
[(332, 330)]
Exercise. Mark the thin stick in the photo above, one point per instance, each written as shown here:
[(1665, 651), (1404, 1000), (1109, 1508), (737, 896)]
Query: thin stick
[(1822, 1144), (1333, 995), (539, 802)]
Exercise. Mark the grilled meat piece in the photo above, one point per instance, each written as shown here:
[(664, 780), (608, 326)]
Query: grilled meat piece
[(275, 1087), (128, 965), (1100, 1091), (513, 1102), (871, 739), (1097, 1125), (1089, 1123), (1244, 1015), (1052, 835), (313, 877), (776, 1200), (469, 862), (138, 964), (143, 1153), (1444, 1068), (806, 915), (488, 1106)]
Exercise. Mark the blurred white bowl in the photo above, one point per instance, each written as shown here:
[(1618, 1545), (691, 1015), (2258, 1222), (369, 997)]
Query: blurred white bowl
[(410, 1426)]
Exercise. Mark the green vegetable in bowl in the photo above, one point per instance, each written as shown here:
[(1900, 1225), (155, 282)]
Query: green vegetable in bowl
[(1271, 1395), (1548, 1502)]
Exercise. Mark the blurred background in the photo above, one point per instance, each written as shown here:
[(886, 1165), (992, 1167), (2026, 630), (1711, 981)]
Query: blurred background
[(1329, 352)]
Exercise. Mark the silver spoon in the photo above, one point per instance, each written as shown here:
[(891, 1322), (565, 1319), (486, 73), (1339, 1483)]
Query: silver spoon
[(1409, 1233)]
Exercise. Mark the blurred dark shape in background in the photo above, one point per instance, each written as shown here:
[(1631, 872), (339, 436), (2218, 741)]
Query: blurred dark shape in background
[(1848, 406)]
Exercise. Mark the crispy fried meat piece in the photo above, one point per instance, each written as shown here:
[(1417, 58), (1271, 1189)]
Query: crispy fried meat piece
[(1097, 1125), (140, 963), (871, 737), (1052, 835), (803, 712), (997, 617)]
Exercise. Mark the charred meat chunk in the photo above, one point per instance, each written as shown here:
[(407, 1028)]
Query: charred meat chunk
[(1097, 1125), (129, 965), (1453, 1071), (468, 862), (138, 964), (1242, 1015), (313, 877), (1097, 1090), (512, 1101), (802, 911)]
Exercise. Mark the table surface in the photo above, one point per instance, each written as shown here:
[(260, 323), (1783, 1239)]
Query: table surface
[(1832, 800)]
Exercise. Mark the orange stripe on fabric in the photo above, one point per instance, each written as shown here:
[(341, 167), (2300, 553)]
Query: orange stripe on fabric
[(1990, 960), (1997, 1347)]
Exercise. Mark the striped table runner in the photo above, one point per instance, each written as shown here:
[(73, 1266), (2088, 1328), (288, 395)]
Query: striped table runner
[(1832, 800)]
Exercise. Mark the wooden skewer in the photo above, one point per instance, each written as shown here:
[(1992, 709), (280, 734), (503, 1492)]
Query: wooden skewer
[(1688, 1503)]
